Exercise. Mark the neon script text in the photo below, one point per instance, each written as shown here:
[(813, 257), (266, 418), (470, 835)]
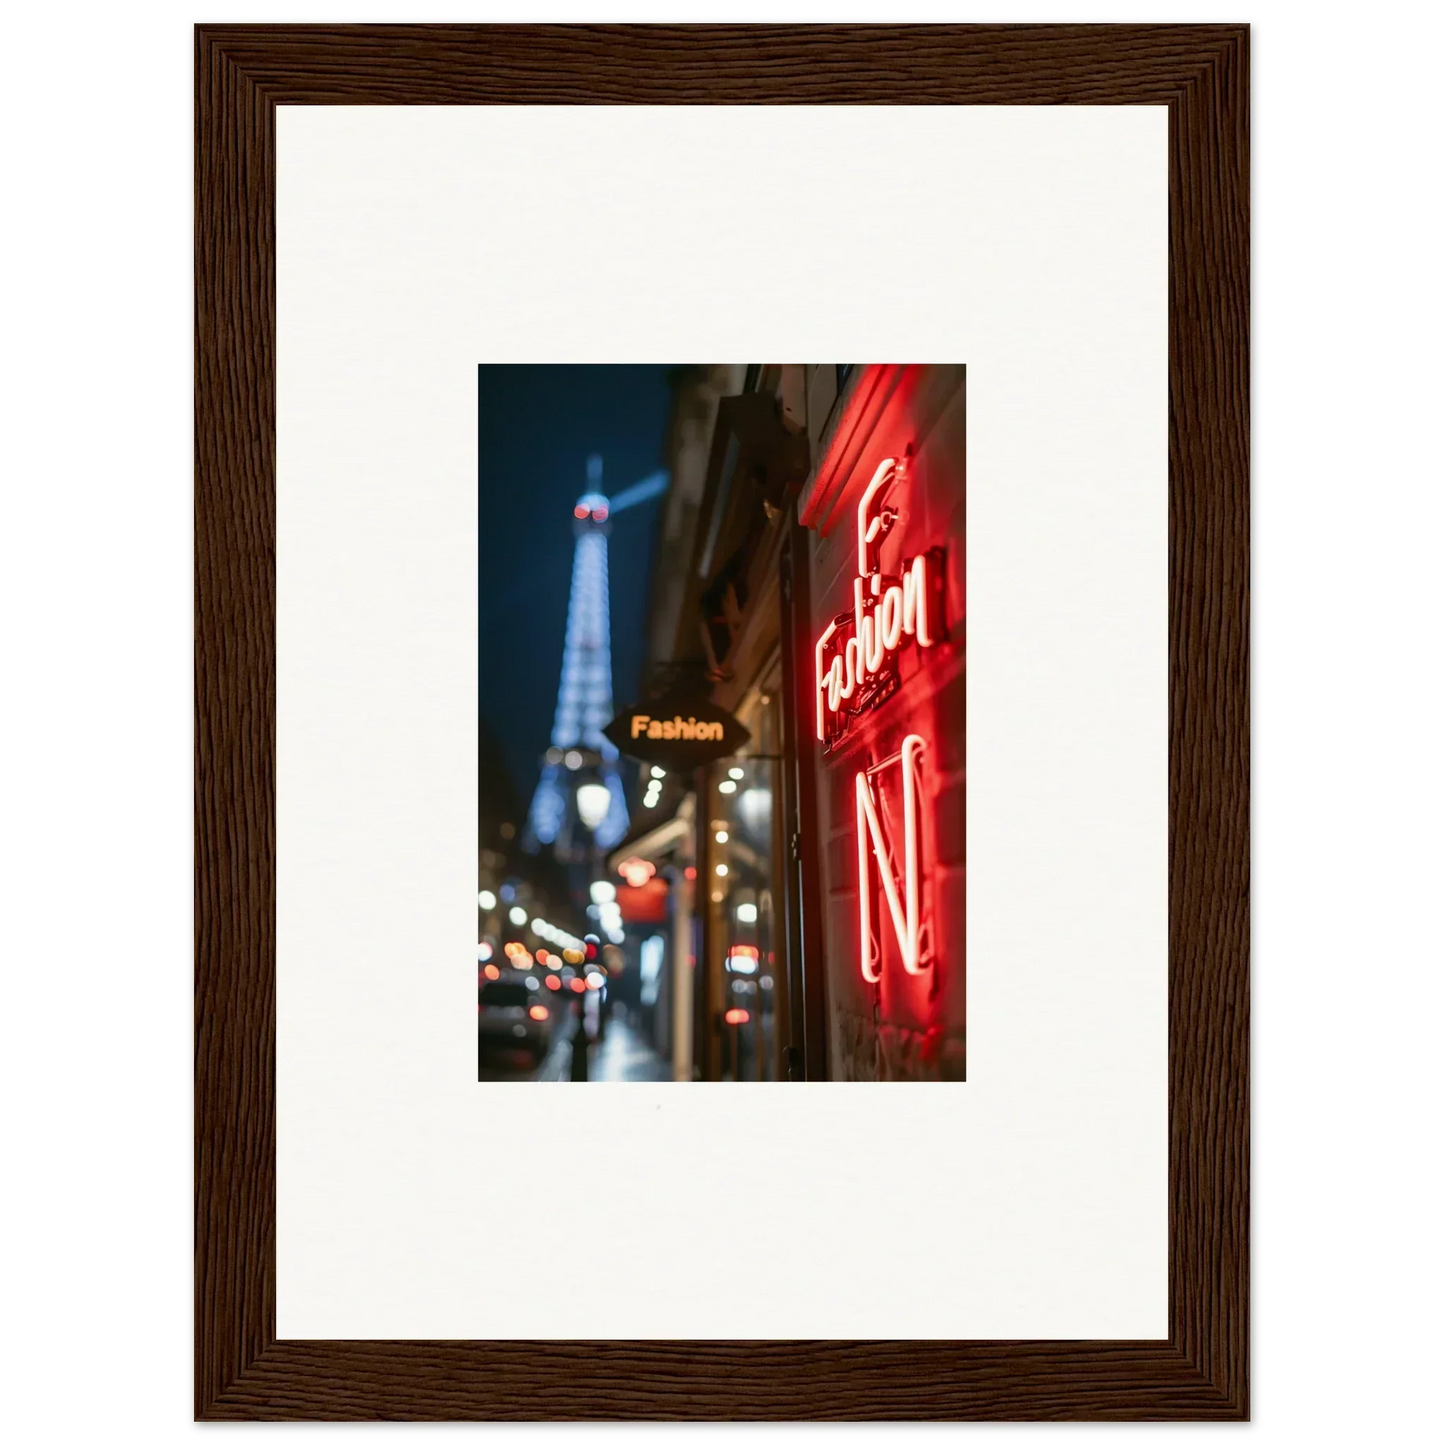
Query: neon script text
[(857, 656)]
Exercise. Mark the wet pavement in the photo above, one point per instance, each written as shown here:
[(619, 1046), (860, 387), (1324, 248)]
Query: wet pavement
[(622, 1056)]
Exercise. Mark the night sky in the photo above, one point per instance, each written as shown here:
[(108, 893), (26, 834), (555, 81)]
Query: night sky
[(537, 425)]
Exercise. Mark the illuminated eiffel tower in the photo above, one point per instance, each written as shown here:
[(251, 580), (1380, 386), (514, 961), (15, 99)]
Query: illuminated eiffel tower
[(579, 803)]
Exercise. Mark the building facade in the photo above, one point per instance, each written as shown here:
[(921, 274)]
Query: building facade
[(809, 578)]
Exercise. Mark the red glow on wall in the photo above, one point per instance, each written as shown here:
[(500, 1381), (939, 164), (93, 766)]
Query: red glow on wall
[(932, 1045), (881, 402)]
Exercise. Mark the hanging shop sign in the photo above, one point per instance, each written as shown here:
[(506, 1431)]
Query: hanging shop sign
[(858, 654), (678, 732), (643, 903)]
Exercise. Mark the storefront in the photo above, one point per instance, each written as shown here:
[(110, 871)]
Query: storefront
[(885, 515), (745, 976), (812, 586), (662, 857)]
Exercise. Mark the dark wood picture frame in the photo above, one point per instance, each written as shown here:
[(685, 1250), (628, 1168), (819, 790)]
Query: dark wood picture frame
[(242, 1370)]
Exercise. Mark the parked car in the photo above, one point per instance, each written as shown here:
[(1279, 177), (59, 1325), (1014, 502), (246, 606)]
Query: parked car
[(514, 1009)]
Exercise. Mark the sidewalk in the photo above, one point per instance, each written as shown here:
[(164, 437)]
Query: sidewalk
[(624, 1057)]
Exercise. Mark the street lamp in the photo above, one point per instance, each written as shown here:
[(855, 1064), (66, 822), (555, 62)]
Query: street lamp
[(593, 804)]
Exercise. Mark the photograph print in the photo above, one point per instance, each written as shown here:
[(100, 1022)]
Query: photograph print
[(721, 724)]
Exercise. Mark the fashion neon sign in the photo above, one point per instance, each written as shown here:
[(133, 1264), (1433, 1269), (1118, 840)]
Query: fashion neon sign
[(856, 658)]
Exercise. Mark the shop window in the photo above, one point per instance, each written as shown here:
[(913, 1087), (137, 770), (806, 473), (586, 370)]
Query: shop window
[(749, 1001)]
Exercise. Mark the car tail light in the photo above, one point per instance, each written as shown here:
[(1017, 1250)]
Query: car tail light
[(537, 1012)]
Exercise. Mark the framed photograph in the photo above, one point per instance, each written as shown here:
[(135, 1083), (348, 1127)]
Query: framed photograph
[(765, 511)]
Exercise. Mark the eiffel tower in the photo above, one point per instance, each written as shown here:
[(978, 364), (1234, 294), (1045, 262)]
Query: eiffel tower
[(579, 804)]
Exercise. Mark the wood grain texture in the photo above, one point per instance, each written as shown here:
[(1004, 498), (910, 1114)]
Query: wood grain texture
[(242, 1370)]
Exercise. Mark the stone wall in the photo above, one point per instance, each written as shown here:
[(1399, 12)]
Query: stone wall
[(905, 1026)]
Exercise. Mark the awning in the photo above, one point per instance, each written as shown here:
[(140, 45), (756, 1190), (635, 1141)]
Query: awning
[(657, 840)]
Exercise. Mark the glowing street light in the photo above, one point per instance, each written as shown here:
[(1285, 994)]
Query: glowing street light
[(593, 803)]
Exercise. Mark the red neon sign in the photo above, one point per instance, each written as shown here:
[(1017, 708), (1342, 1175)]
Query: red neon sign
[(901, 887), (857, 656), (857, 668)]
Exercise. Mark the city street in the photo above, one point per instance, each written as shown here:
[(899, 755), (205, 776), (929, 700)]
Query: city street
[(623, 1056)]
